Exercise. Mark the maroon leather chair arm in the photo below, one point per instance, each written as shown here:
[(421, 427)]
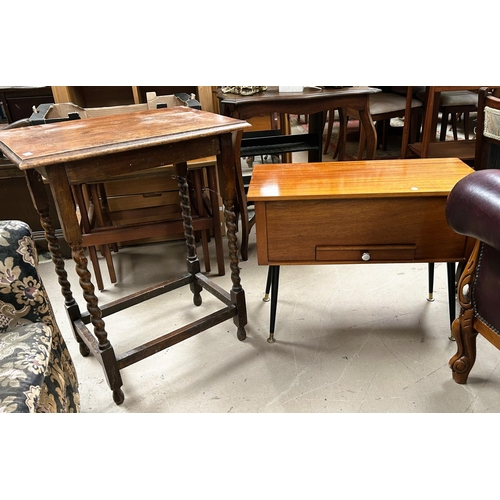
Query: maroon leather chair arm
[(473, 207)]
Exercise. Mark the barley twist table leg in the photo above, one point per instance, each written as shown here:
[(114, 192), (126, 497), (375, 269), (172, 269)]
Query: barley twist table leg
[(237, 292), (88, 294), (57, 258), (41, 204), (193, 263), (106, 351), (72, 308)]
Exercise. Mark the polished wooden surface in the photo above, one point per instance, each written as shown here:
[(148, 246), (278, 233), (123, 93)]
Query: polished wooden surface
[(42, 145), (365, 179), (356, 212)]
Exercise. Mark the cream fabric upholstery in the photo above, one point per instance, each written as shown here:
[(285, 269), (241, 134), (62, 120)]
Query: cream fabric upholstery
[(491, 123), (384, 102), (454, 98)]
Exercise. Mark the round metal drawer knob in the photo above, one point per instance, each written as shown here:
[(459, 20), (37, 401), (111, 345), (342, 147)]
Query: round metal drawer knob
[(366, 256)]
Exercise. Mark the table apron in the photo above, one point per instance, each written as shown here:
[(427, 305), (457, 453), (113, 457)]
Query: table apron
[(244, 111), (406, 229), (100, 169)]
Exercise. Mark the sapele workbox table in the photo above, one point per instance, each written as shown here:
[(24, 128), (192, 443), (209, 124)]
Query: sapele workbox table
[(98, 149), (355, 212)]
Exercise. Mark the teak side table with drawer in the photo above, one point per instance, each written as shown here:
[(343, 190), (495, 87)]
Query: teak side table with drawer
[(99, 149), (355, 212)]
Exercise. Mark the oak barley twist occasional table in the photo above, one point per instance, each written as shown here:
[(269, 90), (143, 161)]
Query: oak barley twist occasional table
[(96, 150)]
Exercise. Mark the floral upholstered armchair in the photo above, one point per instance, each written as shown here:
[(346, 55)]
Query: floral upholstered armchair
[(36, 370)]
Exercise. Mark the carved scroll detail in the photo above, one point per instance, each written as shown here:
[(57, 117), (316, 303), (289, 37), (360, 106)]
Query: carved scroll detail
[(463, 327)]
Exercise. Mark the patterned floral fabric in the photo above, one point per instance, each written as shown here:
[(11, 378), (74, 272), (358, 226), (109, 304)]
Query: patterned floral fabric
[(36, 370)]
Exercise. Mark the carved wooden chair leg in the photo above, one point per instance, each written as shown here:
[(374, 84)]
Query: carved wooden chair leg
[(106, 213), (465, 336), (454, 124), (342, 139), (86, 227), (444, 125), (216, 215), (463, 327), (331, 119), (466, 125), (331, 115), (101, 222)]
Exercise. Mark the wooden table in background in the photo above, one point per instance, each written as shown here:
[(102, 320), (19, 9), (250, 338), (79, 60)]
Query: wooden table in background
[(98, 149), (311, 101)]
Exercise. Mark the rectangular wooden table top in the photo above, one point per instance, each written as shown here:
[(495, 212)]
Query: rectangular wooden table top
[(309, 93), (42, 145), (310, 100), (356, 179)]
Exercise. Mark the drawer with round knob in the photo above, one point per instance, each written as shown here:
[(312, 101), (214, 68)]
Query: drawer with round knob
[(365, 253)]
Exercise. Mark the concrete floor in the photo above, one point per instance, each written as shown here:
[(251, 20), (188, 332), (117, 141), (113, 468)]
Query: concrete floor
[(350, 338)]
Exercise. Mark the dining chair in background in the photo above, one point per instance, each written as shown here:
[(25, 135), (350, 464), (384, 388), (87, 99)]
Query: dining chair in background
[(488, 129), (428, 146), (452, 105), (384, 106)]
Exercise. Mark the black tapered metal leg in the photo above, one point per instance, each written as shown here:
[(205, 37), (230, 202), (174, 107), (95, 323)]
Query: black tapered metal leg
[(430, 297), (451, 275), (272, 287), (268, 283)]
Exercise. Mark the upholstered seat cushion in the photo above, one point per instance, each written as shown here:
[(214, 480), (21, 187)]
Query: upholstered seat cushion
[(454, 98), (24, 363), (385, 102), (403, 90)]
